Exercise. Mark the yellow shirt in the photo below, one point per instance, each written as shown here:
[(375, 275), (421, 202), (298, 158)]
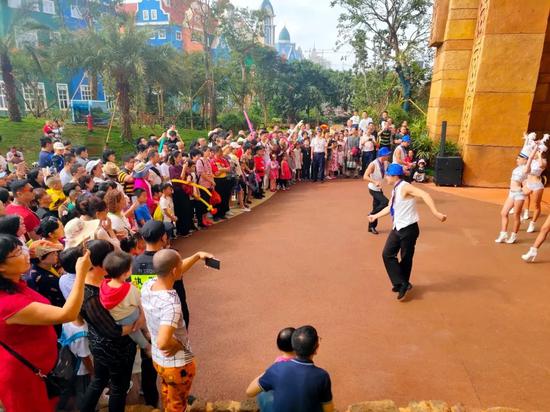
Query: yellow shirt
[(58, 197)]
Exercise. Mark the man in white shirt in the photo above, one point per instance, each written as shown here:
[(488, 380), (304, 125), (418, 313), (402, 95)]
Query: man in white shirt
[(318, 157), (171, 350), (367, 144), (364, 123), (402, 238)]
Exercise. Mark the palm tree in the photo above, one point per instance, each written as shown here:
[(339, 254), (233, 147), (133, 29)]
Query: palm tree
[(119, 51), (7, 44)]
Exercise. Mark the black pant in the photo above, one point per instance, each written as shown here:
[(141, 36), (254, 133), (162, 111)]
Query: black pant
[(379, 202), (149, 380), (306, 169), (183, 209), (115, 374), (223, 187), (366, 159), (402, 241), (318, 166)]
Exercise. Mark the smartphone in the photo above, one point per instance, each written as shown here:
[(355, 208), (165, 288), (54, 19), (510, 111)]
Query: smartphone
[(212, 263)]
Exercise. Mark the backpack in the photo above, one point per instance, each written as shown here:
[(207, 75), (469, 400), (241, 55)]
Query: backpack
[(67, 362)]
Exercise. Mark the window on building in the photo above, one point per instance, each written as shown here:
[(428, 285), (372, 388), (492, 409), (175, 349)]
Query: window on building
[(153, 14), (153, 35), (145, 15), (32, 5), (63, 95), (14, 4), (75, 12), (85, 92), (33, 94), (178, 35), (3, 98), (162, 34), (26, 38), (167, 2), (48, 6)]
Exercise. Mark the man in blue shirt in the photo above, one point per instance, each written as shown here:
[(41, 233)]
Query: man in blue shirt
[(298, 385), (46, 152)]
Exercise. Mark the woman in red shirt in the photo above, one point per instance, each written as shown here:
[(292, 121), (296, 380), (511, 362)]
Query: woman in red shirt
[(224, 183), (26, 326)]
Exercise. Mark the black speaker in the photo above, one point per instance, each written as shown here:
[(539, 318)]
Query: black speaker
[(448, 170)]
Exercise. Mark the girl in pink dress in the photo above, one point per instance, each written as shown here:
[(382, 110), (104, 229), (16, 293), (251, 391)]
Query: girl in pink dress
[(286, 173), (273, 173)]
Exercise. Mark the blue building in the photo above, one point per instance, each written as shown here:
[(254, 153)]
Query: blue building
[(286, 49), (55, 15), (164, 18)]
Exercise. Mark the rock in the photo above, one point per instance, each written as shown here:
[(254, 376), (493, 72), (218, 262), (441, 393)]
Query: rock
[(374, 406), (198, 405), (428, 406), (225, 406), (249, 405)]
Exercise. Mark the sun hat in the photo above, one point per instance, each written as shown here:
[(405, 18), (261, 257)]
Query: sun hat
[(78, 230), (58, 146), (241, 140), (395, 169), (91, 165), (111, 169), (141, 170), (406, 138), (384, 151), (40, 248)]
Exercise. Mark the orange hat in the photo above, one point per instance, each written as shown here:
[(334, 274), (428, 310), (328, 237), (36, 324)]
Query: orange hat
[(40, 248)]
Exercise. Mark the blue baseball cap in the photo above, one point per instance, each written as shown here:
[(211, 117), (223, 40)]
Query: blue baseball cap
[(395, 169), (406, 138), (384, 152)]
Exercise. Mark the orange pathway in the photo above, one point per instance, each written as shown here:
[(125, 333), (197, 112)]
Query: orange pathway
[(476, 331)]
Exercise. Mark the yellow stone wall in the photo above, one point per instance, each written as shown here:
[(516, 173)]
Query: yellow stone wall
[(485, 75), (452, 60), (539, 120)]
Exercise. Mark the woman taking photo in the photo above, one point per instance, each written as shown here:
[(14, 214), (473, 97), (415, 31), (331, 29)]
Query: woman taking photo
[(26, 320), (113, 351)]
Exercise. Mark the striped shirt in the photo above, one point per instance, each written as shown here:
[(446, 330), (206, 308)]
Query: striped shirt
[(163, 308), (128, 187)]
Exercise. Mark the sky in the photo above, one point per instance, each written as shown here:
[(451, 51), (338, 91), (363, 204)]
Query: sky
[(309, 22)]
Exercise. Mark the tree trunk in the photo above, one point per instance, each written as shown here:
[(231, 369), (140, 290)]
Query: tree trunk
[(9, 85), (405, 87), (94, 85), (123, 89)]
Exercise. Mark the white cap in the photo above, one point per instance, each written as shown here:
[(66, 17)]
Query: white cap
[(91, 165), (58, 146)]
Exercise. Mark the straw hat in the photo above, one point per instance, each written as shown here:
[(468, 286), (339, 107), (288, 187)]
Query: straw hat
[(78, 230)]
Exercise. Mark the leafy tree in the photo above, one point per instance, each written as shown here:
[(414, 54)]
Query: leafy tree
[(395, 32)]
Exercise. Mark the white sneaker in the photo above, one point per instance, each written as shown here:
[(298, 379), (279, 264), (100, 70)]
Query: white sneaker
[(531, 227), (525, 215), (530, 256), (245, 209), (502, 237), (512, 239), (229, 213)]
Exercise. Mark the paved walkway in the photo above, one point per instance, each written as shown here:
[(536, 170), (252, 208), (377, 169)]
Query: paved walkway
[(476, 332)]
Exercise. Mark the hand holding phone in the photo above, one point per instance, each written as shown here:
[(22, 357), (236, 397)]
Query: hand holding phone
[(212, 263)]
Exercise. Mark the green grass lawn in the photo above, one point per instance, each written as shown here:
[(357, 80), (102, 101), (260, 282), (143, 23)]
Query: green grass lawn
[(26, 135)]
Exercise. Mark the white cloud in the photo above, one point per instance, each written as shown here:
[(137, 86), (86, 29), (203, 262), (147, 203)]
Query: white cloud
[(310, 22)]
